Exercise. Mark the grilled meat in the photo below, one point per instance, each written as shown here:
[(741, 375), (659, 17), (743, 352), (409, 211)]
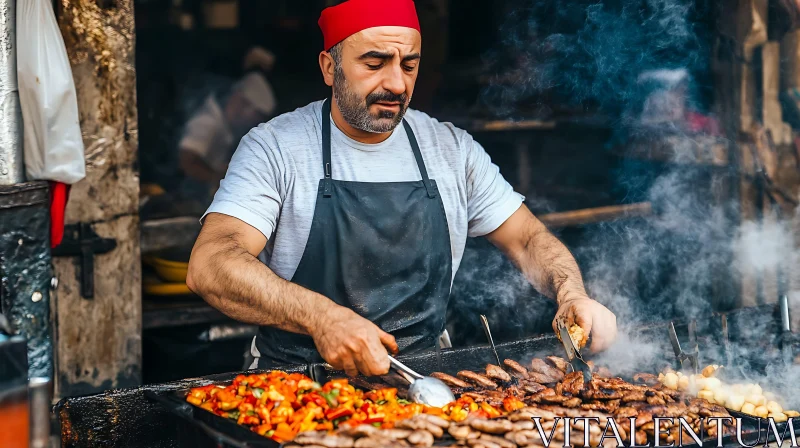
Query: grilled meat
[(491, 426), (451, 380), (601, 394), (607, 398), (499, 441), (541, 367), (558, 362), (421, 438), (378, 441), (541, 378), (531, 387), (477, 379), (322, 438), (605, 406), (516, 369), (497, 373), (359, 431), (646, 378), (434, 420), (419, 423)]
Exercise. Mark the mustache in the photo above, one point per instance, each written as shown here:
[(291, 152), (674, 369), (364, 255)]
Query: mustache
[(376, 97)]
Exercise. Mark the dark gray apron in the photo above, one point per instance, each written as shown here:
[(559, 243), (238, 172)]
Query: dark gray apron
[(380, 249)]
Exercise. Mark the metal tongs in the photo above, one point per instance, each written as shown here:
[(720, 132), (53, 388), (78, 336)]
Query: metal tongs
[(574, 354), (683, 357), (424, 389)]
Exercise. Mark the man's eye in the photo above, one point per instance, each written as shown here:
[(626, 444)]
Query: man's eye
[(374, 66), (409, 68)]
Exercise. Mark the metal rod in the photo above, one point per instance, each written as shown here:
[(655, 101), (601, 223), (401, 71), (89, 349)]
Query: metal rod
[(786, 324), (40, 401), (11, 164)]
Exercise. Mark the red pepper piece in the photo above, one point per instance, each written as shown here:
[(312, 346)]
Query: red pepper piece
[(334, 414)]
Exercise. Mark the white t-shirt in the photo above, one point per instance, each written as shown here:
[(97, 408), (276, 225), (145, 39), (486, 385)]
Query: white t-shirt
[(272, 179)]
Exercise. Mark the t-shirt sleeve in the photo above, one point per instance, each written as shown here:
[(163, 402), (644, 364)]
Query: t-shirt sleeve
[(254, 185), (490, 198)]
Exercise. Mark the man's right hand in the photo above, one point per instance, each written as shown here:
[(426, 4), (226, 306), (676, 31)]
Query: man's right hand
[(352, 343)]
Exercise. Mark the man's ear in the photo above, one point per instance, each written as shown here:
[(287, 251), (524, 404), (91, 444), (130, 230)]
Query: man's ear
[(326, 64)]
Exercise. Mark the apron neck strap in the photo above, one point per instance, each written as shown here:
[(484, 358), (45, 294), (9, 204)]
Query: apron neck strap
[(326, 147), (326, 152), (418, 156)]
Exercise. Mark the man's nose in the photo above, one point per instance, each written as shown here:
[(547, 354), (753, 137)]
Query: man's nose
[(393, 81)]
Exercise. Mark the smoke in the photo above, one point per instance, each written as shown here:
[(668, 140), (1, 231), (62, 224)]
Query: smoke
[(645, 63), (590, 53)]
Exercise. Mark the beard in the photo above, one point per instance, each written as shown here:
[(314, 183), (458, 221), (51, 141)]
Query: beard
[(355, 110)]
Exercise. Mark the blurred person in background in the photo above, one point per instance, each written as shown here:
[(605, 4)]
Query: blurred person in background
[(212, 133)]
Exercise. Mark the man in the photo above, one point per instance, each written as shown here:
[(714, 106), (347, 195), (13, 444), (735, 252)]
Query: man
[(213, 131), (365, 207)]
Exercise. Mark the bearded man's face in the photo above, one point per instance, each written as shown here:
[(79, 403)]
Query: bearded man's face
[(375, 75)]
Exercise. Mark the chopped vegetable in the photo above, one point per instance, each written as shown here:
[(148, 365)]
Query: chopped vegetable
[(280, 405)]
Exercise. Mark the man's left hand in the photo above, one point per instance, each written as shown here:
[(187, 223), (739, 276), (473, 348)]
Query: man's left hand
[(595, 319)]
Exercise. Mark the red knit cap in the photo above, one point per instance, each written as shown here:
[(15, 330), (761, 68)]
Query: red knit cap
[(342, 21)]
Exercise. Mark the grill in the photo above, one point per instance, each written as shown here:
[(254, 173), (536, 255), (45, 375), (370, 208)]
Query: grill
[(157, 416)]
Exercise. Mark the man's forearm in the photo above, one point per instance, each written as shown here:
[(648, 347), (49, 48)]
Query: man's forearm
[(550, 267), (543, 259), (240, 286)]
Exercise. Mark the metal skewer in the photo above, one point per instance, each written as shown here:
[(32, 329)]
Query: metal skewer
[(485, 323)]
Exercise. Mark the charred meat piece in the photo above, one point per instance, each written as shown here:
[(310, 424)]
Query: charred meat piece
[(451, 380), (531, 387), (601, 394), (630, 396), (497, 373), (558, 362), (609, 406), (477, 379), (646, 378), (542, 378), (573, 383), (559, 399), (540, 366), (516, 369)]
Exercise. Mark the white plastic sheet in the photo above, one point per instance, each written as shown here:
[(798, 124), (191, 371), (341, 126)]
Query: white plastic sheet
[(52, 142)]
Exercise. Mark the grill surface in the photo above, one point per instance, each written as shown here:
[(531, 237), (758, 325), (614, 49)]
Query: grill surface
[(128, 418)]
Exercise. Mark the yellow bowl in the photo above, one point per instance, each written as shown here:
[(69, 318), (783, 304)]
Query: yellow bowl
[(167, 289), (169, 271)]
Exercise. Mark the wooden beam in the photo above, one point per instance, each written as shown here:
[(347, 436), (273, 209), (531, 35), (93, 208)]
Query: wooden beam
[(98, 341), (170, 233), (510, 125), (596, 214)]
